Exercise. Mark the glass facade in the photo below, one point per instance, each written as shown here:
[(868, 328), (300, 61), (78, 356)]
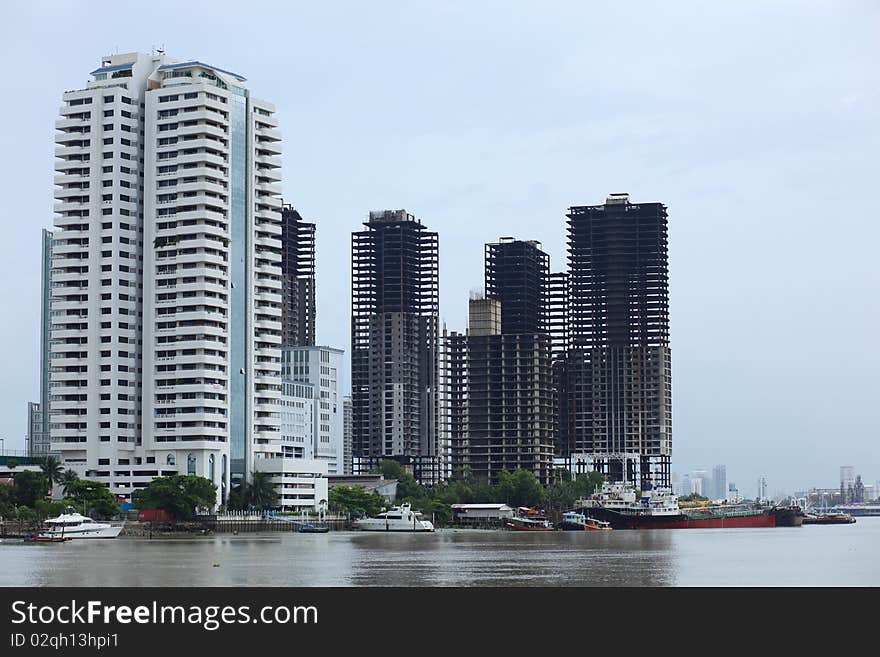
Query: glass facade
[(238, 325)]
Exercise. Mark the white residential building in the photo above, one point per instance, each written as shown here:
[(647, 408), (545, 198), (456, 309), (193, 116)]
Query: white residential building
[(166, 279), (322, 368), (297, 438)]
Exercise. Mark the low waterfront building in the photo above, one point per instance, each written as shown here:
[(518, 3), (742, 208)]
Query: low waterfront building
[(387, 488), (480, 513), (301, 484)]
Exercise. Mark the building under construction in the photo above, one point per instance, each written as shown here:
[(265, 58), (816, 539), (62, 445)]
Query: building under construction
[(516, 273), (394, 342), (616, 379), (297, 280), (498, 388)]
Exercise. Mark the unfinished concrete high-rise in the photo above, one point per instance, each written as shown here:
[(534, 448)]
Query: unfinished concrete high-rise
[(516, 274), (394, 345), (297, 280), (498, 384), (616, 374)]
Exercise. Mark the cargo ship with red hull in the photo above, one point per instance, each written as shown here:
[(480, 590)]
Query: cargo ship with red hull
[(617, 504)]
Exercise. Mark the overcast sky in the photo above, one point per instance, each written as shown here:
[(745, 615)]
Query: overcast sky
[(754, 122)]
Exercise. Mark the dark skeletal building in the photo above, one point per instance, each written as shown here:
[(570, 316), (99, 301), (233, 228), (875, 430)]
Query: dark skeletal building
[(615, 376), (297, 280), (516, 273), (394, 342), (498, 387)]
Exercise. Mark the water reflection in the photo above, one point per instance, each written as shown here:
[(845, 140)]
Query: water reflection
[(823, 555)]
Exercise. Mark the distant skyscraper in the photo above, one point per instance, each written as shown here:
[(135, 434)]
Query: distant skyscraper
[(719, 482), (166, 263), (297, 279), (762, 488), (394, 339), (615, 380), (847, 481), (35, 430), (700, 483)]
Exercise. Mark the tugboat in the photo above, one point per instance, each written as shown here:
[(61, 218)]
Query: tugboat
[(574, 521), (530, 520), (829, 518)]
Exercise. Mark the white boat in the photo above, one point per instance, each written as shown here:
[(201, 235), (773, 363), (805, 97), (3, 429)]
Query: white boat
[(74, 525), (399, 519)]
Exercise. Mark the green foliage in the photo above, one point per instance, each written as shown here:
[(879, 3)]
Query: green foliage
[(52, 468), (7, 501), (355, 500), (179, 495), (67, 479), (238, 499), (519, 488), (91, 498), (29, 486), (258, 494), (262, 491), (12, 464), (440, 511), (407, 486), (693, 497), (50, 508)]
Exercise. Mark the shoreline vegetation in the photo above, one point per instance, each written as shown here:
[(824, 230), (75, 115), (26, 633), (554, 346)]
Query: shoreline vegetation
[(25, 504), (519, 488)]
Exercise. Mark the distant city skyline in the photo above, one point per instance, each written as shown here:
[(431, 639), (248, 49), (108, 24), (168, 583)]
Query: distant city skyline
[(753, 124)]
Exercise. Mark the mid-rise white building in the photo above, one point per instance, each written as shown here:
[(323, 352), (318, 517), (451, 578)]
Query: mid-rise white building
[(321, 367), (166, 274)]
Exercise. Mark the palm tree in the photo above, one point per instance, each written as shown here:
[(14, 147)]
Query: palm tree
[(53, 470), (67, 479), (262, 491)]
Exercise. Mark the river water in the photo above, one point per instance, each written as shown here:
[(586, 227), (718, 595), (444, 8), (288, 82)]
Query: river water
[(844, 555)]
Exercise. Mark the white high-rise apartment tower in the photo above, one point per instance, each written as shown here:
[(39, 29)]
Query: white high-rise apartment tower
[(166, 274)]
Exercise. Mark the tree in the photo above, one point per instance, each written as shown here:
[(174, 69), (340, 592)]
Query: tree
[(7, 501), (67, 479), (53, 470), (239, 497), (258, 494), (91, 498), (520, 488), (179, 495), (355, 500), (587, 484), (262, 491), (561, 494), (29, 486), (49, 508), (407, 486)]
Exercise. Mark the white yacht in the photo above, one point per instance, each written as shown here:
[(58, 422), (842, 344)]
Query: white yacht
[(399, 519), (74, 525)]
